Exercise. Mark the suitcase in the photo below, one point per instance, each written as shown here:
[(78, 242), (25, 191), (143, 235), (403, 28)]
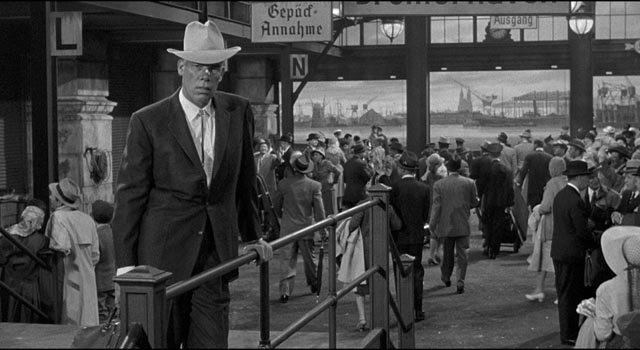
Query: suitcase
[(511, 236)]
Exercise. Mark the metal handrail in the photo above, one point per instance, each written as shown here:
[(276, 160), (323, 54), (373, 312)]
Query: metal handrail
[(181, 287)]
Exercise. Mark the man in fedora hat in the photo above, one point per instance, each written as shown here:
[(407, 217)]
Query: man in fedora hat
[(298, 203), (523, 148), (572, 237), (411, 200), (74, 233), (187, 188), (576, 150), (313, 141), (627, 212)]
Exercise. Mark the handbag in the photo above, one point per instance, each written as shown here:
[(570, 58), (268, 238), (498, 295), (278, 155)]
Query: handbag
[(104, 336)]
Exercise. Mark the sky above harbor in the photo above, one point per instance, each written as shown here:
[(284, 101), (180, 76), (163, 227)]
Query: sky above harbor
[(390, 95)]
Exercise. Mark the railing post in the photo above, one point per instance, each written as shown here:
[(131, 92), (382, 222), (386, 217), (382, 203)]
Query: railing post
[(379, 248), (404, 293), (332, 286), (142, 300), (265, 331)]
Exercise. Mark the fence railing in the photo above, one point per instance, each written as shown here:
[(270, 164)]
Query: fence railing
[(143, 291)]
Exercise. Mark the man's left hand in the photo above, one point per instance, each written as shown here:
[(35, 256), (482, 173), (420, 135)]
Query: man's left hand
[(264, 250)]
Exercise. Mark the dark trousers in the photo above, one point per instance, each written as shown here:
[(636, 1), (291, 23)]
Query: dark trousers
[(495, 226), (200, 318), (418, 271), (571, 291)]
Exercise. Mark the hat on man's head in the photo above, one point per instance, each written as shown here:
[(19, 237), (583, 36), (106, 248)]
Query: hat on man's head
[(339, 131), (408, 161), (313, 136), (287, 138), (609, 130), (319, 150), (613, 240), (484, 144), (204, 44), (443, 140), (577, 144), (502, 137), (577, 168), (454, 163), (66, 191), (396, 146), (494, 148), (358, 148), (102, 211), (459, 140), (300, 163), (631, 166), (561, 143), (526, 134), (548, 139), (624, 152)]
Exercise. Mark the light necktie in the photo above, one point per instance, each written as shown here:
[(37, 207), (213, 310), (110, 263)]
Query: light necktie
[(206, 144)]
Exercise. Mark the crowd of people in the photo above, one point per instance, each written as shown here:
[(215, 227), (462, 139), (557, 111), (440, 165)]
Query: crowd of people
[(595, 175)]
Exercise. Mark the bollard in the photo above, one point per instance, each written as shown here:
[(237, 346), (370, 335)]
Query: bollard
[(142, 300), (404, 293), (379, 248)]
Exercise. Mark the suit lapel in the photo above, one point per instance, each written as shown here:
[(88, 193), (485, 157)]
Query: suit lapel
[(223, 123), (180, 130)]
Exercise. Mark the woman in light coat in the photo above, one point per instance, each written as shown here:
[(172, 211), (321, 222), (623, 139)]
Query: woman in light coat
[(540, 260)]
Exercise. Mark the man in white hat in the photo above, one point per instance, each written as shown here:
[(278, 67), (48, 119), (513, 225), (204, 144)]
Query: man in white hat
[(187, 188), (75, 234)]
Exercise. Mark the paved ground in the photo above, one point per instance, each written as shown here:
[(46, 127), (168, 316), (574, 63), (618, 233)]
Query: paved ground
[(492, 313)]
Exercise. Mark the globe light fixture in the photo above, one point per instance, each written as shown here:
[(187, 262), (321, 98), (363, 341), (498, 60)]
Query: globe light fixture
[(392, 27), (581, 18)]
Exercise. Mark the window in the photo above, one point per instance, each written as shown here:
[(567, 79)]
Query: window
[(437, 30)]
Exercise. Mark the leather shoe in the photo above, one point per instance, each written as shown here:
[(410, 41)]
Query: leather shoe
[(419, 316), (460, 287), (284, 299), (446, 283)]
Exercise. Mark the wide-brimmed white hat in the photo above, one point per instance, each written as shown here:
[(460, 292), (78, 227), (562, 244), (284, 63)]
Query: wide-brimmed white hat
[(66, 191), (612, 241), (203, 43)]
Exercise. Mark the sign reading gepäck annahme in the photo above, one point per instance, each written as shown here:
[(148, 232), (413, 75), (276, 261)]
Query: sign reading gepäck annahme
[(295, 21), (454, 8)]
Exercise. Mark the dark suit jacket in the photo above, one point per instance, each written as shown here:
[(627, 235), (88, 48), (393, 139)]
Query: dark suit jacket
[(627, 208), (356, 175), (571, 237), (481, 172), (498, 192), (536, 165), (410, 199), (162, 200)]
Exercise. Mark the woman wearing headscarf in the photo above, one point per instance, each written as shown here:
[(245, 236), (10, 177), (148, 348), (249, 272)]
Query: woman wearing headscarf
[(21, 272), (540, 259)]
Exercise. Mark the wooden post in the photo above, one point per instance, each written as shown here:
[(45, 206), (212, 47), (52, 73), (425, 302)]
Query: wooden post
[(379, 248), (404, 293), (142, 300)]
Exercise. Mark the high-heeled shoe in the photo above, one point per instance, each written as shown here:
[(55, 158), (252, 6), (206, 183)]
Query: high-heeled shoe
[(536, 296)]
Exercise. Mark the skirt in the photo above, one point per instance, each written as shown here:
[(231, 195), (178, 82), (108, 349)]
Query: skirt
[(540, 258)]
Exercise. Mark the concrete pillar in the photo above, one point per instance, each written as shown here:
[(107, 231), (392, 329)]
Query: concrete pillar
[(417, 83), (581, 82)]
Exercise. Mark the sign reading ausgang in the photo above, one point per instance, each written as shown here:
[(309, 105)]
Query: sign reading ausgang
[(291, 21), (514, 22), (454, 8)]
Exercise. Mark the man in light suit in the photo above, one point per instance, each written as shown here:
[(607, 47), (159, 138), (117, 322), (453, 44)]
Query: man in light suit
[(410, 199), (298, 202), (508, 155), (571, 240), (187, 189), (450, 220)]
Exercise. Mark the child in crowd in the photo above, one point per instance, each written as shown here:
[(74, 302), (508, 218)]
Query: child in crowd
[(102, 212)]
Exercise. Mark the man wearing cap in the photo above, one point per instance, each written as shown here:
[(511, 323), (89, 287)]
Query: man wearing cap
[(356, 175), (571, 240), (627, 212), (508, 154), (523, 148), (453, 198), (312, 143), (298, 203), (411, 200), (187, 189), (443, 147), (464, 153), (535, 171), (266, 164), (74, 233), (285, 149)]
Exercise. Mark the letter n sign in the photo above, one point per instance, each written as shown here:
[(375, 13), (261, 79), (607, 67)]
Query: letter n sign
[(65, 32), (299, 66)]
